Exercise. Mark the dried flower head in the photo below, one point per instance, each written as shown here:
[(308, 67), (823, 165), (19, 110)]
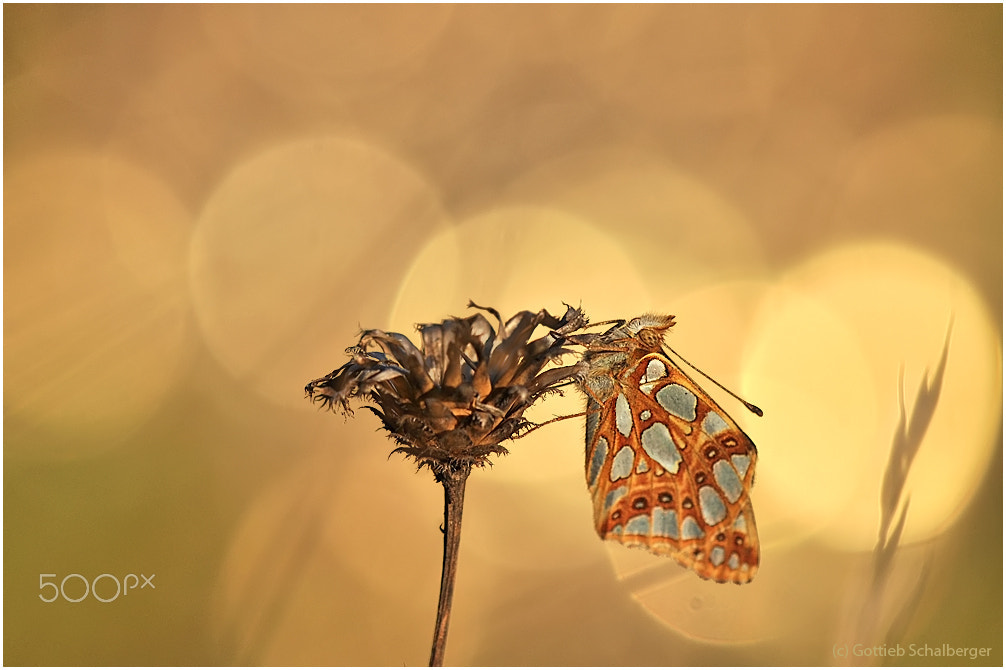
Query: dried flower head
[(454, 401)]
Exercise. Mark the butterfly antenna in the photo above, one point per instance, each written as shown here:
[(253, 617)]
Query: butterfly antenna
[(752, 408)]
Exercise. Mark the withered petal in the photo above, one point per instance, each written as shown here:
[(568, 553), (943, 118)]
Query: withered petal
[(481, 382), (371, 378), (452, 373), (437, 339), (550, 378), (482, 335), (574, 319), (405, 352), (511, 347)]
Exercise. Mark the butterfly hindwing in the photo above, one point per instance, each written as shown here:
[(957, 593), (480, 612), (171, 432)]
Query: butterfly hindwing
[(670, 471)]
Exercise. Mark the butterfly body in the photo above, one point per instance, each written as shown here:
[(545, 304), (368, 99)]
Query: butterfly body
[(667, 468)]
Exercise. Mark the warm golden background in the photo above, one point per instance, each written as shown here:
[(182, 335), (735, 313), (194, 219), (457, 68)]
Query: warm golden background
[(204, 204)]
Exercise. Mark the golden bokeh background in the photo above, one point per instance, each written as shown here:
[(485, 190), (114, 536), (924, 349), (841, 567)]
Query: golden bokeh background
[(204, 204)]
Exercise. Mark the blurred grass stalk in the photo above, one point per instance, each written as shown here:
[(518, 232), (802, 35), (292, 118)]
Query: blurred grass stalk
[(450, 404), (871, 628)]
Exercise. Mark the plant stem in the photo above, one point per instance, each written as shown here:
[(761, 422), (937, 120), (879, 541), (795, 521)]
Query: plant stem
[(454, 480)]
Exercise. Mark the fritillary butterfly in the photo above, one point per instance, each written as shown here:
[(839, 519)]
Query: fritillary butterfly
[(668, 469)]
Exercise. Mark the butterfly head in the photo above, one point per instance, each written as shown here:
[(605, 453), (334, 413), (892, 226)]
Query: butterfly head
[(644, 332)]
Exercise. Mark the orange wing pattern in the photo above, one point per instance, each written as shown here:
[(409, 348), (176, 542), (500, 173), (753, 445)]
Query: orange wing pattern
[(670, 471)]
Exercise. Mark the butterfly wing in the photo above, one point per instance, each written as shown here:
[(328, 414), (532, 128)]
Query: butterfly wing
[(670, 471)]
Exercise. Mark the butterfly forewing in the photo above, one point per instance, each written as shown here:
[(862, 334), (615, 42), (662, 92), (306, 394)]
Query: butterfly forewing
[(670, 471)]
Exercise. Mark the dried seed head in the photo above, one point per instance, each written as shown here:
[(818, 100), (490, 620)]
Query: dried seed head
[(458, 397)]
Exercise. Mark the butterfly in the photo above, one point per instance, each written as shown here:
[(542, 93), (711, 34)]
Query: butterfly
[(668, 469)]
